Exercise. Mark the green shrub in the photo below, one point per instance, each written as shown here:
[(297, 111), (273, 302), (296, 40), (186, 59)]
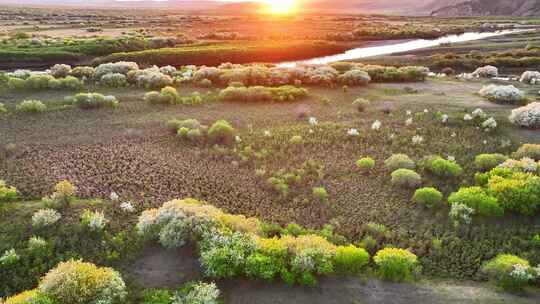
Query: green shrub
[(9, 257), (444, 168), (7, 193), (3, 108), (399, 161), (365, 164), (519, 192), (529, 151), (406, 178), (261, 94), (486, 162), (221, 132), (93, 101), (395, 265), (77, 282), (510, 272), (31, 106), (320, 193), (477, 199), (198, 293), (430, 197), (225, 255), (157, 296), (350, 259), (375, 229), (263, 267)]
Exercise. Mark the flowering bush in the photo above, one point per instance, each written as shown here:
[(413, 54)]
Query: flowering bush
[(511, 272), (486, 162), (83, 283), (528, 151), (9, 257), (33, 296), (350, 259), (45, 217), (460, 214), (221, 132), (530, 77), (354, 78), (430, 197), (63, 193), (399, 161), (406, 178), (527, 116), (365, 164), (518, 192), (225, 255), (477, 199), (198, 293), (31, 106), (261, 94), (38, 246), (394, 264), (95, 221), (487, 71), (114, 80), (93, 100), (7, 193), (60, 70), (502, 94), (121, 67)]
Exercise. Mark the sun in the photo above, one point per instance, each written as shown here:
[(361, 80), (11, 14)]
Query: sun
[(280, 7)]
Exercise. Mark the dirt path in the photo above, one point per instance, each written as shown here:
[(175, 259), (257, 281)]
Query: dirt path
[(158, 267)]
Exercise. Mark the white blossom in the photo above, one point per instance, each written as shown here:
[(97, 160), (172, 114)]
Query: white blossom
[(127, 207), (408, 122), (376, 125), (444, 118), (467, 117), (417, 139), (353, 132), (114, 196), (313, 121)]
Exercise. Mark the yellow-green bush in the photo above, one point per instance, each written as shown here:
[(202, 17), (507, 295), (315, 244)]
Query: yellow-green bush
[(395, 264), (350, 259), (78, 282)]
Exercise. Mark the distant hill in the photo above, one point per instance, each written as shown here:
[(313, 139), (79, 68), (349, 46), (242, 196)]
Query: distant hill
[(490, 8)]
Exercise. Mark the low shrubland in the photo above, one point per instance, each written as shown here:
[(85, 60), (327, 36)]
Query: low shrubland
[(262, 94), (169, 95), (93, 101)]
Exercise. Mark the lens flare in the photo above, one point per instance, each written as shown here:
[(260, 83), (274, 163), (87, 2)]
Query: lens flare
[(280, 7)]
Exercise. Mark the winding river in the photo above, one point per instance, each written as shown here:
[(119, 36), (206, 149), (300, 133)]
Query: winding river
[(408, 46)]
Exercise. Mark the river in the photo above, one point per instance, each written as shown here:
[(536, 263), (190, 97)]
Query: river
[(387, 49)]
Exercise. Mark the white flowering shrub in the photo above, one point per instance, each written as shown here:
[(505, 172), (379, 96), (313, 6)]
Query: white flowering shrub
[(121, 67), (114, 80), (81, 72), (20, 74), (211, 73), (530, 77), (198, 293), (60, 70), (527, 116), (406, 178), (502, 94), (127, 207), (44, 218), (510, 272), (9, 257), (489, 124), (93, 100), (487, 71), (95, 221), (460, 214), (354, 78)]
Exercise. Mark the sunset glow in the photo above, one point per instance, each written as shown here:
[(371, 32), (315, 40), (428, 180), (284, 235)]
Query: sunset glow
[(280, 7)]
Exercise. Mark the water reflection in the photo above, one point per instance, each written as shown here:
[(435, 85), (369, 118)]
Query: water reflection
[(398, 48)]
